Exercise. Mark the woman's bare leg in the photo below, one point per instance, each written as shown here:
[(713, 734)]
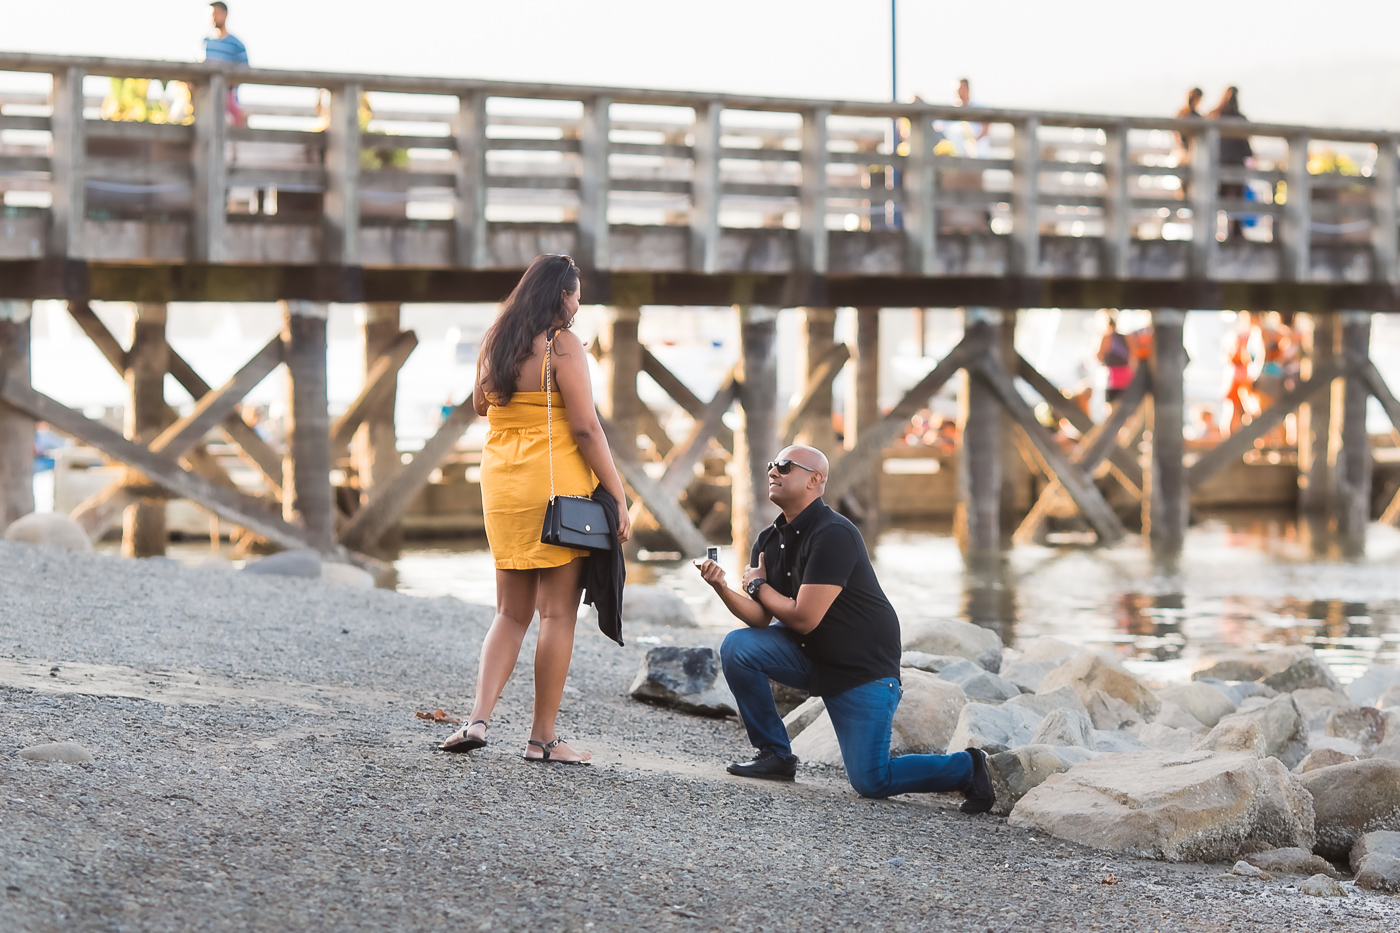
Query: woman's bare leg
[(515, 607), (560, 589)]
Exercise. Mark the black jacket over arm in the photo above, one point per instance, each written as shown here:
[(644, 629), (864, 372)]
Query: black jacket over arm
[(604, 573)]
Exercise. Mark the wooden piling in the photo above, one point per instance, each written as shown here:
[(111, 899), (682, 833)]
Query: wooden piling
[(862, 416), (817, 338), (1166, 502), (621, 361), (16, 428), (306, 495), (977, 520), (143, 521), (1017, 489), (1353, 454), (1315, 491), (376, 447), (755, 443)]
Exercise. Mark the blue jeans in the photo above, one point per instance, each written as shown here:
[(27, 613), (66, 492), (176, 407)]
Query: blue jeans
[(861, 716)]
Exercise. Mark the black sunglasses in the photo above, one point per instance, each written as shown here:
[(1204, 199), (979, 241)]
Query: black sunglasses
[(784, 467)]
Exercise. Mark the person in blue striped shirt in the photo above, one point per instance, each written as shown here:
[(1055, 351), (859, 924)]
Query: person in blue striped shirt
[(224, 46)]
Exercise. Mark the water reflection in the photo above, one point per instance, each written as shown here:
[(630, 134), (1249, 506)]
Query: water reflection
[(1243, 581)]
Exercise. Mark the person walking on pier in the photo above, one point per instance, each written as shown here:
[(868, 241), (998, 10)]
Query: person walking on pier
[(835, 635), (1186, 140), (1117, 357), (537, 440), (1234, 151), (224, 46)]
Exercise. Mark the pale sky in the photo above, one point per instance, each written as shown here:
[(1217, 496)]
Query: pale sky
[(1296, 61)]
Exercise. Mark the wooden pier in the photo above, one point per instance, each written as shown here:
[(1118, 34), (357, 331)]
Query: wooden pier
[(385, 189)]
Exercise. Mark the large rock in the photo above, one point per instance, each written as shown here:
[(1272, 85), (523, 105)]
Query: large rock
[(1064, 727), (1038, 657), (1315, 704), (1367, 689), (923, 723), (1351, 800), (1238, 690), (655, 605), (304, 564), (1016, 771), (980, 686), (1323, 758), (1390, 699), (1089, 672), (1206, 702), (1322, 886), (950, 636), (1305, 669), (1283, 669), (1375, 860), (1160, 736), (1175, 717), (1108, 712), (1285, 734), (993, 728), (66, 752), (1390, 746), (1180, 807), (1114, 743), (339, 574), (787, 698), (1235, 735), (1364, 725), (1043, 702), (803, 716), (933, 663), (49, 529), (1292, 861), (687, 679)]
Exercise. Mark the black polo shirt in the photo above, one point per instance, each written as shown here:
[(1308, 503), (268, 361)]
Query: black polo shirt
[(857, 641)]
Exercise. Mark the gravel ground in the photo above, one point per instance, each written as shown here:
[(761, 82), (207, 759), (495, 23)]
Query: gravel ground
[(258, 766)]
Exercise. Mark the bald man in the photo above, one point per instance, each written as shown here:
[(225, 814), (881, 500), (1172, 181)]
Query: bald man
[(816, 619)]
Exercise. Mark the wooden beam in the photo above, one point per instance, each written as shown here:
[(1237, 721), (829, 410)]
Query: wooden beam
[(469, 211), (650, 425), (306, 469), (387, 504), (680, 465), (705, 190), (977, 520), (756, 440), (340, 219), (1086, 496), (920, 199), (1167, 509), (1353, 458), (1295, 225), (209, 214), (857, 461), (16, 428), (143, 522), (812, 240), (1025, 199), (215, 406), (242, 434), (82, 314), (682, 395), (594, 185), (68, 165), (1316, 486), (1238, 444), (659, 502), (818, 388), (377, 381), (1118, 207), (226, 503), (1204, 196)]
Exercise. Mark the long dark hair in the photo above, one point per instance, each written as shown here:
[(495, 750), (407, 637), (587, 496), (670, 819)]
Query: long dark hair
[(528, 311), (1229, 105)]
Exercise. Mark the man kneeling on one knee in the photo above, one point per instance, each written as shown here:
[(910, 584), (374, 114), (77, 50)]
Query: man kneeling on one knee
[(816, 619)]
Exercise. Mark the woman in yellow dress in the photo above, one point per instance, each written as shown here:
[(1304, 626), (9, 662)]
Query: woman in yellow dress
[(529, 345)]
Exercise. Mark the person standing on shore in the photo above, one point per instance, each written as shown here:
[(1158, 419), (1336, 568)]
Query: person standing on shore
[(224, 46), (1116, 357), (816, 619), (527, 352)]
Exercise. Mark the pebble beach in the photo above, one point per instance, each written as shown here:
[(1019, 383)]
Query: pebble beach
[(257, 764)]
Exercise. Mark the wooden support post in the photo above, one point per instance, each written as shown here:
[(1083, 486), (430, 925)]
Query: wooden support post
[(705, 189), (381, 376), (1377, 386), (1296, 227), (306, 496), (863, 415), (1205, 194), (209, 214), (1017, 492), (16, 427), (815, 428), (1118, 203), (920, 199), (143, 522), (594, 185), (1315, 491), (68, 165), (621, 361), (376, 443), (1166, 507), (756, 440), (1025, 199), (469, 242), (977, 521), (1384, 239), (1353, 453), (812, 254), (341, 219)]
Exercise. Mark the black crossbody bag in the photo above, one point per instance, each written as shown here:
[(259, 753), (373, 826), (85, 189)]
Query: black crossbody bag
[(570, 521)]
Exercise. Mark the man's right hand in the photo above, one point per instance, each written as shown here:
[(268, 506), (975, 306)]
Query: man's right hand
[(712, 574)]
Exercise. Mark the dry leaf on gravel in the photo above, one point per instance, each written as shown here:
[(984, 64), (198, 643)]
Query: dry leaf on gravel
[(1111, 879), (437, 715)]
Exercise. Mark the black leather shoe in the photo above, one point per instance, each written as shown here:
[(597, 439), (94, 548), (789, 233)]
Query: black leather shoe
[(768, 765), (978, 792)]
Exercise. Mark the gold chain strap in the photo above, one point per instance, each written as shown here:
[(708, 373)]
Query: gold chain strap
[(549, 410)]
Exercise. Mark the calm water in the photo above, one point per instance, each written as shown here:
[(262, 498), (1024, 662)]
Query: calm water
[(1243, 581)]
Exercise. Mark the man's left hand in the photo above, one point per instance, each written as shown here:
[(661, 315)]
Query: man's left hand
[(755, 573)]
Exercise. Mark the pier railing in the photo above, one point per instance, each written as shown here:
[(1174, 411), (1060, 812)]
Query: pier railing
[(384, 174)]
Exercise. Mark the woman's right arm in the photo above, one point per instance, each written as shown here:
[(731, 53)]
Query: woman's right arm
[(571, 376)]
